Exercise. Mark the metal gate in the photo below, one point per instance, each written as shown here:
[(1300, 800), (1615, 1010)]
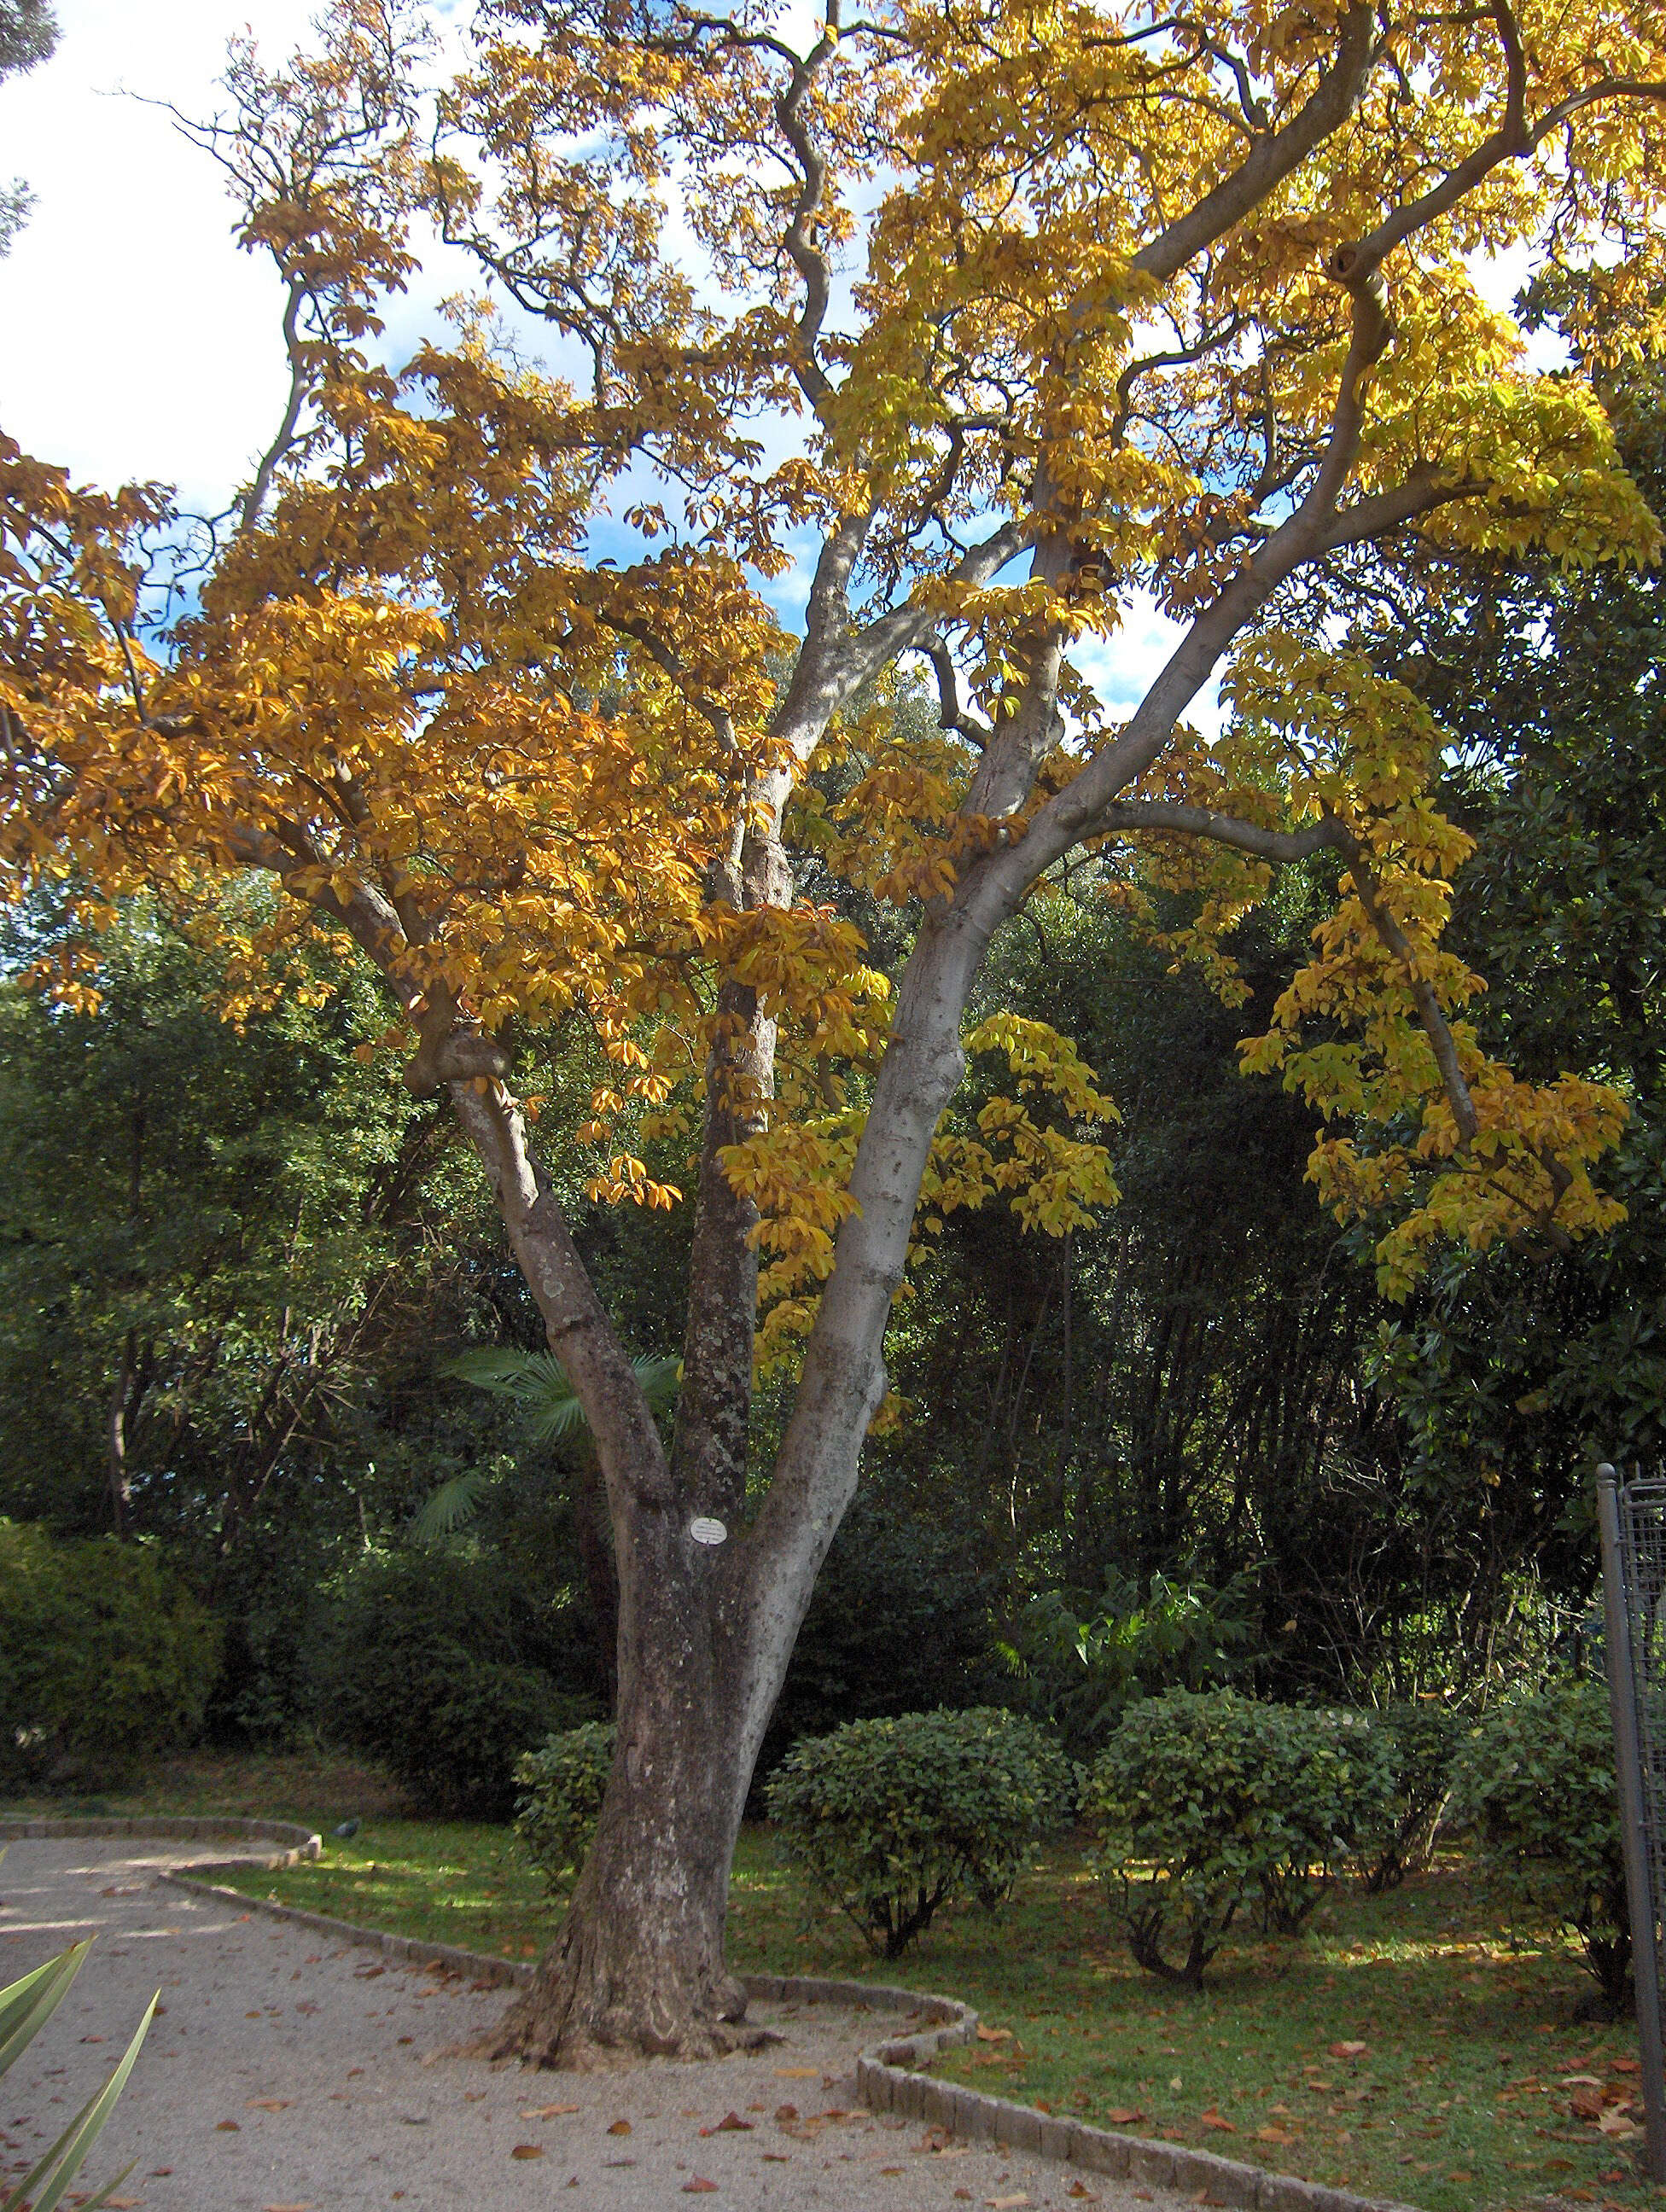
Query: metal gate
[(1633, 1519)]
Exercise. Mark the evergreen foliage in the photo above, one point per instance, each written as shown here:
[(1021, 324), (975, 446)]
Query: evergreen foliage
[(892, 1818), (1536, 1782), (561, 1785), (105, 1660)]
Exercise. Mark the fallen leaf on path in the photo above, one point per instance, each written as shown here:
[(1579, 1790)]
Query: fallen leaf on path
[(965, 2195), (620, 2128), (227, 2127), (527, 2150), (541, 2111), (1004, 2203), (699, 2187), (267, 2104), (123, 2203), (1076, 2189), (1346, 2049), (798, 2073), (777, 2158), (785, 2112), (993, 2034), (276, 2208), (729, 2124)]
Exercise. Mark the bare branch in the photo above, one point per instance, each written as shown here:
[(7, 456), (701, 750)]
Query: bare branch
[(952, 714), (1158, 817)]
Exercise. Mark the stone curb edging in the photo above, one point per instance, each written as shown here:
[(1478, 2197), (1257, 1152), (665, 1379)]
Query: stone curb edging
[(301, 1843), (969, 2113), (889, 2078), (450, 1956)]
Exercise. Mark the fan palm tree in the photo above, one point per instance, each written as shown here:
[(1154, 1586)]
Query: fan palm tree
[(536, 1383)]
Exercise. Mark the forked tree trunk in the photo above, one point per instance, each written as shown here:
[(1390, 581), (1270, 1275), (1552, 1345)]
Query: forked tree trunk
[(706, 1628), (637, 1965)]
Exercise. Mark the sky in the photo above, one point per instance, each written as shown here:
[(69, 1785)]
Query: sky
[(137, 343)]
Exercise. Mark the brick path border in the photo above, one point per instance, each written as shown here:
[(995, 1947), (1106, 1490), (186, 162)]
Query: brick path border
[(890, 2076)]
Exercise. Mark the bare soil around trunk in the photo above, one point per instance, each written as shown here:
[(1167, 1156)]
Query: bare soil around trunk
[(290, 2072)]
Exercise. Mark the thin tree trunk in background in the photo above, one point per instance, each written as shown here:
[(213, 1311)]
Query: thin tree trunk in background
[(116, 1472)]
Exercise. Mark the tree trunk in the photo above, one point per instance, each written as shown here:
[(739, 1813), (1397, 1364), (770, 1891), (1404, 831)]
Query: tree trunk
[(706, 1627), (637, 1967)]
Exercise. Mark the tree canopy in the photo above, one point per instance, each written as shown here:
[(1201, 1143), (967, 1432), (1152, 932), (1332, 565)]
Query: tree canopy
[(986, 317)]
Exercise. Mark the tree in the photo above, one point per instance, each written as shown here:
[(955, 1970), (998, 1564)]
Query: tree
[(1175, 302), (28, 36), (203, 1232), (1527, 1368)]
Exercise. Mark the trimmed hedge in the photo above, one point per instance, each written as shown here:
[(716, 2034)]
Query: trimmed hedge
[(561, 1787), (1535, 1781), (1204, 1798), (1423, 1740), (891, 1819)]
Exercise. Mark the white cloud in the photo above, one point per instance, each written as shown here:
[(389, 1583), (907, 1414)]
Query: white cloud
[(135, 341), (1122, 668)]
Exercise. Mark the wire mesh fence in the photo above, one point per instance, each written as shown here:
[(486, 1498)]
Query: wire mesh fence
[(1632, 1520)]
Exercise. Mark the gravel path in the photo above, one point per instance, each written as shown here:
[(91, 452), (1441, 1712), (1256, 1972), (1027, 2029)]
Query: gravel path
[(287, 2074)]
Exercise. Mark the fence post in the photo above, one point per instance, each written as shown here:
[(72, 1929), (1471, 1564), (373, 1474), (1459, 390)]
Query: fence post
[(1619, 1660)]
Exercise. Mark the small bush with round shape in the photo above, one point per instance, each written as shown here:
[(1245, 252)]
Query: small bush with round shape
[(1202, 1799), (891, 1819), (1337, 1771), (561, 1785), (1536, 1782)]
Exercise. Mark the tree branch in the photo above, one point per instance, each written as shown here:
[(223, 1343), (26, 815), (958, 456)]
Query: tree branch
[(1160, 818)]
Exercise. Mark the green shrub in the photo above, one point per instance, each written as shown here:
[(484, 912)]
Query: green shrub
[(1535, 1781), (1336, 1776), (892, 1818), (105, 1660), (561, 1787), (1423, 1740), (424, 1670), (1202, 1799)]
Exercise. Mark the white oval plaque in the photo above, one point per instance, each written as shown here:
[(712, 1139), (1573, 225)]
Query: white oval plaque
[(704, 1531)]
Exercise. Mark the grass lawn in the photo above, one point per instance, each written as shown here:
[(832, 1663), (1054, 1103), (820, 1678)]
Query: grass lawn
[(1460, 2101)]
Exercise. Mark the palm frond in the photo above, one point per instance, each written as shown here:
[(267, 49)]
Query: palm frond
[(537, 1381), (454, 1503), (25, 2007)]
